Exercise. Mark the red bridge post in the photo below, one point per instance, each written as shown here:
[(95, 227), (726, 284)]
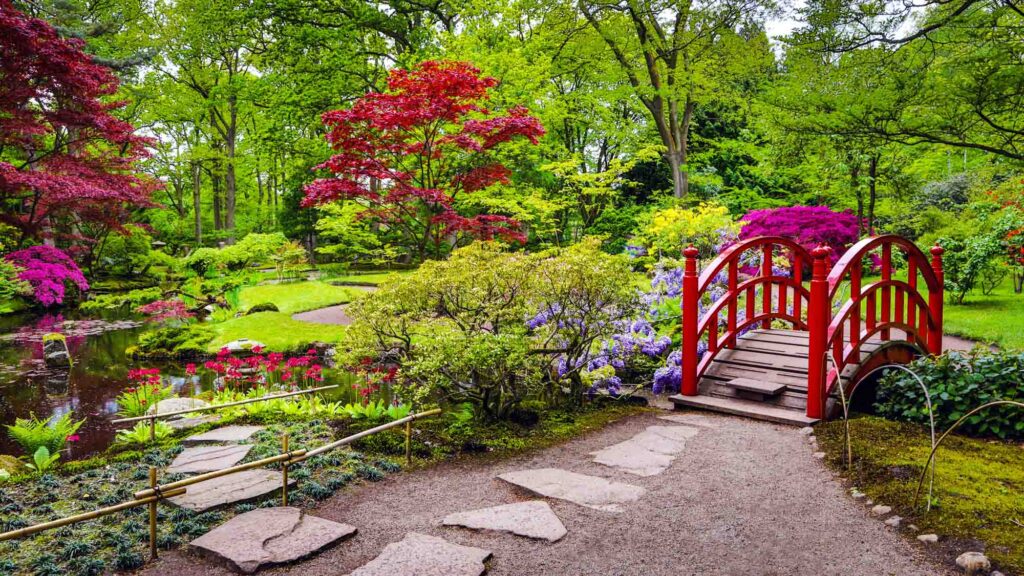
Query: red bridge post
[(690, 318), (935, 304), (819, 314)]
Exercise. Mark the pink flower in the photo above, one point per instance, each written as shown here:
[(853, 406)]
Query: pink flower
[(72, 438), (190, 369), (257, 349)]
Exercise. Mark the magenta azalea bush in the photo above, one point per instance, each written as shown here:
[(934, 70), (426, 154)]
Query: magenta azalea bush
[(809, 226), (49, 271)]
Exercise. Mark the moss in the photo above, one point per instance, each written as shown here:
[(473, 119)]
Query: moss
[(12, 465), (979, 484)]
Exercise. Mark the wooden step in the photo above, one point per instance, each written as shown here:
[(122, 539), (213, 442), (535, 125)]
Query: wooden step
[(747, 408), (766, 388)]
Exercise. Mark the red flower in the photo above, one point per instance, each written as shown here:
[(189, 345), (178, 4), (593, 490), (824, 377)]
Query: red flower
[(190, 369)]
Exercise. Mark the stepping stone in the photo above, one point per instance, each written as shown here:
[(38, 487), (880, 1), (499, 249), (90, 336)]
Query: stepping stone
[(589, 491), (691, 419), (185, 423), (208, 458), (533, 519), (233, 434), (269, 536), (422, 555), (230, 489), (649, 452)]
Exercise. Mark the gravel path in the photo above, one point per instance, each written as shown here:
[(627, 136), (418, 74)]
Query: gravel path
[(743, 497), (329, 315)]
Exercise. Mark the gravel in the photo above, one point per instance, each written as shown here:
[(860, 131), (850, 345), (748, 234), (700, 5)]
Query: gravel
[(744, 497)]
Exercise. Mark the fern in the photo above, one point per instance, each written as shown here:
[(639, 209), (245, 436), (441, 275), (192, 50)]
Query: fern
[(140, 433), (33, 433)]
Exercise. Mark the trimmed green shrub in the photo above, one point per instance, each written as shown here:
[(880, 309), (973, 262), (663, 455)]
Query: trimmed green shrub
[(262, 307), (958, 383)]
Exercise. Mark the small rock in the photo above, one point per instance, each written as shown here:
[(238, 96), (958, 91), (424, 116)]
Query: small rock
[(819, 455), (869, 502), (857, 494), (880, 510), (807, 430), (894, 522), (912, 527), (928, 538), (996, 573), (974, 563)]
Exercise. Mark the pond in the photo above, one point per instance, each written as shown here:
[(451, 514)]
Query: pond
[(91, 386)]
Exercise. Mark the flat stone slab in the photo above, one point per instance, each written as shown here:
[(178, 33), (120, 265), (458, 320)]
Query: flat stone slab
[(691, 419), (269, 536), (230, 489), (422, 555), (589, 491), (185, 423), (533, 519), (225, 434), (649, 452), (208, 458)]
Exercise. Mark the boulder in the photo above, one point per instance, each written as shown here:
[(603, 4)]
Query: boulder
[(55, 351), (176, 405), (12, 465), (243, 345)]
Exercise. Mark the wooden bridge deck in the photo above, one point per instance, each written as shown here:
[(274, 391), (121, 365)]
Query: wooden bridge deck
[(763, 377)]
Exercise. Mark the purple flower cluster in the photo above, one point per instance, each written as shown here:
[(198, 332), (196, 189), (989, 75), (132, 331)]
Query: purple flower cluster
[(809, 226), (48, 270), (634, 251)]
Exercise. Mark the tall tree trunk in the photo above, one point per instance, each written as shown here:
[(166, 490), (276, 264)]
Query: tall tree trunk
[(855, 184), (197, 204), (229, 174), (217, 222), (259, 196), (872, 192)]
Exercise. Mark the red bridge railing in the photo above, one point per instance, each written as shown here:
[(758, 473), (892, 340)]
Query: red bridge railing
[(775, 291), (872, 311)]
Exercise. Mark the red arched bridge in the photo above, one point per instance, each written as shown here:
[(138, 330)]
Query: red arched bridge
[(833, 331)]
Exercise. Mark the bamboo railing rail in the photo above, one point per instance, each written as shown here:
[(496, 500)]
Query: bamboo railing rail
[(215, 407)]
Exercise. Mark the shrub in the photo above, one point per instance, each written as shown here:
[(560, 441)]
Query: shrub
[(262, 307), (175, 340), (965, 262), (201, 260), (808, 226), (49, 272), (706, 227), (32, 433), (958, 383)]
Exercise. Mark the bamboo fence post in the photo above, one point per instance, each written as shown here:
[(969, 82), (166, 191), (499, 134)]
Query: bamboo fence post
[(152, 515), (284, 470), (408, 443)]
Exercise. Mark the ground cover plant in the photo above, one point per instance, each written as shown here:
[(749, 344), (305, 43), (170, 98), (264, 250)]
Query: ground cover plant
[(977, 495)]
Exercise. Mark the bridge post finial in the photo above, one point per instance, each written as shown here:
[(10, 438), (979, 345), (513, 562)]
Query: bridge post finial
[(935, 303), (819, 314), (688, 363)]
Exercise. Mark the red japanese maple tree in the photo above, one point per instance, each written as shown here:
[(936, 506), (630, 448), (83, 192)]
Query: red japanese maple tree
[(66, 162), (408, 154)]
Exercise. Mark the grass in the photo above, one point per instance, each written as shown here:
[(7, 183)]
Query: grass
[(979, 484), (292, 297), (277, 330), (997, 318)]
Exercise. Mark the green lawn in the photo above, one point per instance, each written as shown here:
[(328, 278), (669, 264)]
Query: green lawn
[(277, 330), (997, 318), (292, 297), (994, 319)]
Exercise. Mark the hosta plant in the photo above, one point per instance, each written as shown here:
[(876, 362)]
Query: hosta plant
[(42, 460)]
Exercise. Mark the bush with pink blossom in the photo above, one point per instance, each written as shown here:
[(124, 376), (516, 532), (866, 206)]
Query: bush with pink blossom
[(49, 272)]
